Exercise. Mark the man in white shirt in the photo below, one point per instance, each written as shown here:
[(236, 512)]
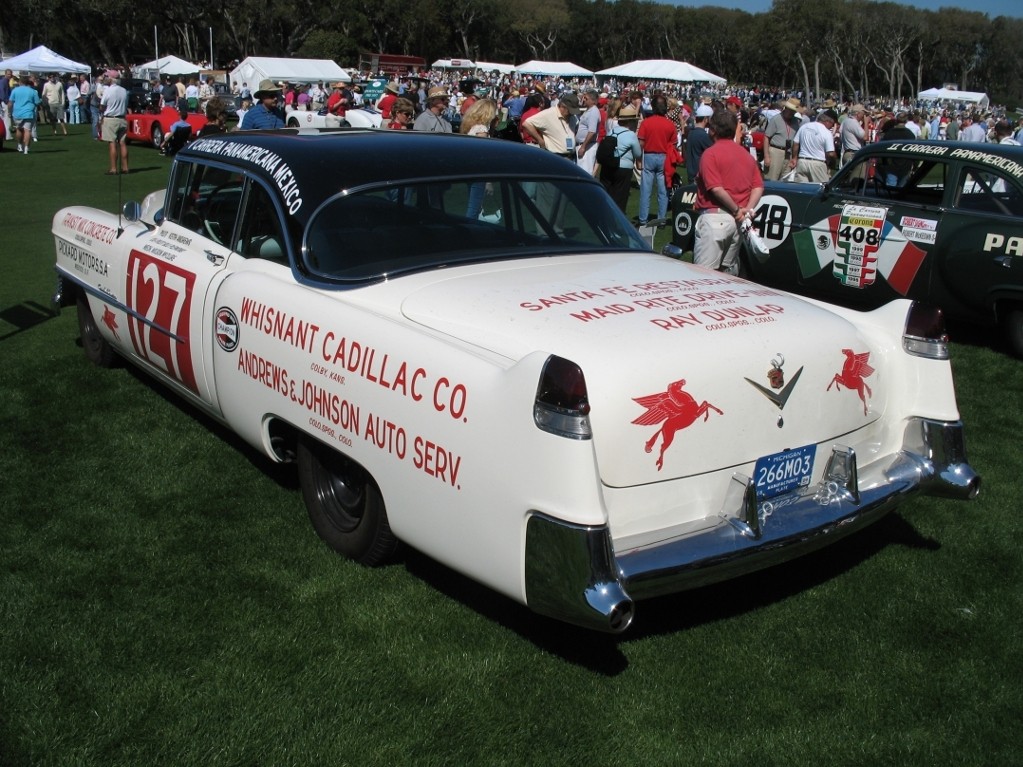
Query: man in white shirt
[(973, 130), (114, 123), (587, 130), (912, 125), (73, 95), (813, 149), (852, 133)]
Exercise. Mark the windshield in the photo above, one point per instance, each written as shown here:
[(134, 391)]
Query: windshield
[(383, 230)]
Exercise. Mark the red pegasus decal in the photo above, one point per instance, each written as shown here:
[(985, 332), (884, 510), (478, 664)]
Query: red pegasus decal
[(855, 369), (676, 408), (110, 320)]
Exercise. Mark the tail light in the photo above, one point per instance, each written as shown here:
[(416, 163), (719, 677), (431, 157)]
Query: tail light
[(561, 405), (925, 334)]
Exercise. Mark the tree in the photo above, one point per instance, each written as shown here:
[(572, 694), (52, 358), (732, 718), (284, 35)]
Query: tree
[(539, 23)]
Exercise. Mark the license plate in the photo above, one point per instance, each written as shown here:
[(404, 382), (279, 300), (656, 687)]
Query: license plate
[(781, 472)]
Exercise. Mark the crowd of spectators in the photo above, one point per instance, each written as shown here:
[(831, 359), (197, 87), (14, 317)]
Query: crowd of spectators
[(771, 118)]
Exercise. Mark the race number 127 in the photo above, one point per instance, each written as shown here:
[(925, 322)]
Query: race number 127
[(159, 295)]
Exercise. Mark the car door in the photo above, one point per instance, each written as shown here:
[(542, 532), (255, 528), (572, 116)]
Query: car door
[(980, 243), (170, 273), (868, 238)]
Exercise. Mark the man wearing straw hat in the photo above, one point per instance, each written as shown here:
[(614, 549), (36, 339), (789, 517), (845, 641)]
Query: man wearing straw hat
[(430, 120), (778, 136), (265, 115)]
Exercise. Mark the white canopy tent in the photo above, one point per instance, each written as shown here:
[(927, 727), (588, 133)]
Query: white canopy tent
[(490, 66), (166, 65), (255, 69), (454, 64), (662, 69), (42, 59), (553, 69), (950, 94)]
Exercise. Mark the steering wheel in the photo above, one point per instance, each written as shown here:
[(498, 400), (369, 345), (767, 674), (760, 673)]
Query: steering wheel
[(211, 221)]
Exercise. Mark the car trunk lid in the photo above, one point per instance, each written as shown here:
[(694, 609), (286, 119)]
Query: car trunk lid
[(688, 371)]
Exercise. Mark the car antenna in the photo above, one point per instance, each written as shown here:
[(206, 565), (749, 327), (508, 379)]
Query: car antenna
[(118, 138)]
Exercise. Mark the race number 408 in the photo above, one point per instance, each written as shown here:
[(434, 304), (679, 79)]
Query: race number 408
[(160, 296)]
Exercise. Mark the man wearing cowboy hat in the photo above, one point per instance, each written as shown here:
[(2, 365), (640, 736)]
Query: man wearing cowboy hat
[(265, 115), (778, 135), (430, 120)]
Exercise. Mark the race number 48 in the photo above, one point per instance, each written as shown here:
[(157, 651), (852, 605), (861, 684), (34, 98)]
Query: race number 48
[(159, 296), (773, 219)]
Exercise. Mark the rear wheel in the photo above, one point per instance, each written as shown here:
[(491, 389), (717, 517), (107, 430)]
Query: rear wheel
[(96, 348), (157, 135), (344, 504), (293, 123), (1013, 327)]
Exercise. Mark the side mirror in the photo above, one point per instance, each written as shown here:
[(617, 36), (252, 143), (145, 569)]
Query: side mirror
[(132, 211), (672, 251)]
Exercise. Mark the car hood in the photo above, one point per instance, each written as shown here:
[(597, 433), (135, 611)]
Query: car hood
[(715, 370)]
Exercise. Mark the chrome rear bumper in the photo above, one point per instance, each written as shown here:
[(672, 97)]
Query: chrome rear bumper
[(574, 574)]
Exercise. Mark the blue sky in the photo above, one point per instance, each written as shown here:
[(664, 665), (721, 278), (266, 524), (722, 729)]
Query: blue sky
[(992, 8)]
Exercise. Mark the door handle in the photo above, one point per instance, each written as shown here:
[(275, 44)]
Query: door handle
[(214, 258), (1005, 261)]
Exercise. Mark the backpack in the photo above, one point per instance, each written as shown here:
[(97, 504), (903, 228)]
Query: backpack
[(607, 149)]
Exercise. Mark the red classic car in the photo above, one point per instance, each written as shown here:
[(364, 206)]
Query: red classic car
[(150, 127)]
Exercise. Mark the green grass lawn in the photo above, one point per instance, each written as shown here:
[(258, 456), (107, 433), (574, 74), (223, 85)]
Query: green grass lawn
[(164, 600)]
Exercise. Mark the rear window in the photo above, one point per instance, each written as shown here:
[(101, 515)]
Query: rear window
[(384, 230)]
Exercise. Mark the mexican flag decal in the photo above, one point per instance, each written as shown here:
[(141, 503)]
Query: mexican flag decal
[(859, 243)]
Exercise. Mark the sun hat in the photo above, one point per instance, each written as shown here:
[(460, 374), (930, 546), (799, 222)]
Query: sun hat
[(392, 87), (437, 92), (628, 113), (704, 110), (267, 88), (792, 104)]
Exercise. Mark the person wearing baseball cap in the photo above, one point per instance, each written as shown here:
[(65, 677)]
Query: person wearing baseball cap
[(697, 140), (265, 115), (550, 127), (734, 104)]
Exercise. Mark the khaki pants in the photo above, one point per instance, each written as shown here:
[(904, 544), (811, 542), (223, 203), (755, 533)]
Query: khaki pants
[(779, 165), (717, 242), (815, 171)]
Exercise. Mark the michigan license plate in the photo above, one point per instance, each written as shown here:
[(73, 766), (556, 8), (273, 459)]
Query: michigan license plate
[(781, 472)]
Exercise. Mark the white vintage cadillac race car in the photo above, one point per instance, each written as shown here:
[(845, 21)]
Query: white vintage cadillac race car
[(467, 348)]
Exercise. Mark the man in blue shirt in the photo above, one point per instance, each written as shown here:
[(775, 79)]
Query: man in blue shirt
[(23, 103), (265, 115)]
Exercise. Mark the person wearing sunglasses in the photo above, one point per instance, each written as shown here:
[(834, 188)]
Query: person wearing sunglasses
[(403, 113)]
